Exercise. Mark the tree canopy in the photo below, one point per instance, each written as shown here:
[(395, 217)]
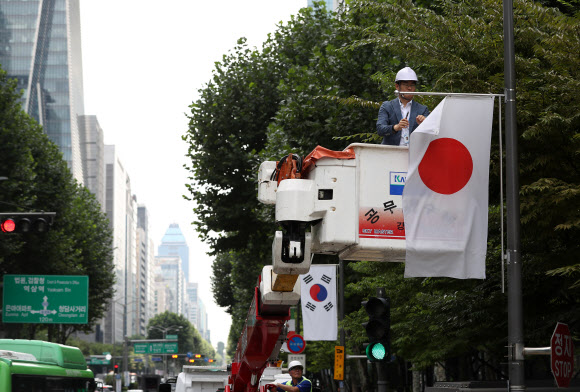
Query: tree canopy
[(80, 240), (319, 80), (188, 337)]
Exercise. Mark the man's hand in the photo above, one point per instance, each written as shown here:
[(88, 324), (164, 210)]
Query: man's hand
[(270, 387), (420, 118), (404, 123)]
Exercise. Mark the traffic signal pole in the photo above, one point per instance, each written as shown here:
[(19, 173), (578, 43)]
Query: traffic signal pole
[(515, 308), (382, 382)]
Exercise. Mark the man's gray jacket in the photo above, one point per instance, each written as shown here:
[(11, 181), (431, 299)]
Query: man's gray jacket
[(390, 115)]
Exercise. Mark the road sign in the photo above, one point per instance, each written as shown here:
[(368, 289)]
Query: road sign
[(296, 344), (98, 361), (298, 357), (339, 362), (562, 355), (170, 336), (155, 348), (46, 299), (156, 359)]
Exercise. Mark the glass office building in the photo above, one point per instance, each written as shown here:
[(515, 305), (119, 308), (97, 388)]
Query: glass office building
[(173, 244), (40, 46)]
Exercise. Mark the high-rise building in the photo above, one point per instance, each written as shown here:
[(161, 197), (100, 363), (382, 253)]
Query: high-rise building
[(121, 210), (145, 264), (195, 310), (173, 244), (93, 151), (171, 285), (40, 46)]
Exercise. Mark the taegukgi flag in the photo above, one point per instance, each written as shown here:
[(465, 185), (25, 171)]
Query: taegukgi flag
[(318, 297), (445, 199)]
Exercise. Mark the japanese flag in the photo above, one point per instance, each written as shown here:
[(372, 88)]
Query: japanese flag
[(445, 199), (318, 297)]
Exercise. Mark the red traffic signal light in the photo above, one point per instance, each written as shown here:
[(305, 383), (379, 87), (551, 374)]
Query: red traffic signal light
[(26, 222), (8, 225), (116, 368)]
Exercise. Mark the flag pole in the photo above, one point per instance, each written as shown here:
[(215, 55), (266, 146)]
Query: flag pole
[(515, 308)]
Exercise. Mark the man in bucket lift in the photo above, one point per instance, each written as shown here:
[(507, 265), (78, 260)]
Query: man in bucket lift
[(297, 384), (399, 118)]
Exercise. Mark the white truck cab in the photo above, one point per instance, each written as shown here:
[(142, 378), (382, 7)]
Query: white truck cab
[(201, 379)]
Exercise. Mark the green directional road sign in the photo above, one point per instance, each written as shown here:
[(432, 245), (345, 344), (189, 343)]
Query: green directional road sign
[(45, 299), (170, 336), (98, 361), (155, 348)]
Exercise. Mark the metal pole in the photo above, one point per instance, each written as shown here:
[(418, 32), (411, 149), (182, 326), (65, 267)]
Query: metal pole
[(382, 383), (515, 309), (125, 355), (341, 296)]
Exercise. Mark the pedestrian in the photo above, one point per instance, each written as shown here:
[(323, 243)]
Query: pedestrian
[(297, 384), (399, 117)]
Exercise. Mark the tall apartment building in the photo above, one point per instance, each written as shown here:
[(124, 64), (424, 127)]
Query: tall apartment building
[(170, 283), (173, 244), (40, 46), (145, 264), (121, 209), (195, 310), (93, 151)]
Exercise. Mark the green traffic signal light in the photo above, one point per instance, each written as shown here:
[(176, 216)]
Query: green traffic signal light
[(378, 328), (376, 352)]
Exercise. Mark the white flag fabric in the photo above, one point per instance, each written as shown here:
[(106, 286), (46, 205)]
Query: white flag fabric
[(318, 297), (445, 199)]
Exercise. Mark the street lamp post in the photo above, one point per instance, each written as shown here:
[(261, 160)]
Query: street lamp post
[(164, 331)]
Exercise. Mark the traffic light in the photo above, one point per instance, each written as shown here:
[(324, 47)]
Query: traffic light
[(116, 368), (378, 328), (26, 222), (174, 356)]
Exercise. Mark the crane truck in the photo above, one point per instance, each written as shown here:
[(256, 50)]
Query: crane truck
[(351, 201)]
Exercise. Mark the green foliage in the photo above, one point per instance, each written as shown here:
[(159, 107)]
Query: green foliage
[(262, 105), (319, 79), (188, 337), (80, 240), (466, 55)]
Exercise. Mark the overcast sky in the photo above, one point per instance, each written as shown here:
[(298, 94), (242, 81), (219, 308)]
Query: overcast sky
[(143, 62)]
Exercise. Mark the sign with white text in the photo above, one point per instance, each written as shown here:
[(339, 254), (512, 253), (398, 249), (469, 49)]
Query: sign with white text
[(46, 299)]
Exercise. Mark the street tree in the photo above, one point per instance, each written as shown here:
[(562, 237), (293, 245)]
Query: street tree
[(80, 240)]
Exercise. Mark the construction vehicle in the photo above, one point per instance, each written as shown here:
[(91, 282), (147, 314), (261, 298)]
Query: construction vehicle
[(351, 201), (201, 379)]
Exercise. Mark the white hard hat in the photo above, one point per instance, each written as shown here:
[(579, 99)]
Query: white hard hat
[(406, 74), (293, 364)]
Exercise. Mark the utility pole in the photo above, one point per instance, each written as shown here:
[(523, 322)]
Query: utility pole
[(515, 308)]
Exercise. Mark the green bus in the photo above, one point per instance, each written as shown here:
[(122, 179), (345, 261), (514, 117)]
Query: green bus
[(37, 366)]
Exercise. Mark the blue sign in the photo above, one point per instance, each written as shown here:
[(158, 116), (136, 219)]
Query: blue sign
[(397, 182), (156, 359), (138, 359), (296, 344), (189, 354)]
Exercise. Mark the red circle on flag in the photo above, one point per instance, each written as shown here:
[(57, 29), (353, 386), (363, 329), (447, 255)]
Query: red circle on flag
[(446, 166)]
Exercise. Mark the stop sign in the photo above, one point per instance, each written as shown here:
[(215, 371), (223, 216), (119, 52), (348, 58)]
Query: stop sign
[(562, 355)]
